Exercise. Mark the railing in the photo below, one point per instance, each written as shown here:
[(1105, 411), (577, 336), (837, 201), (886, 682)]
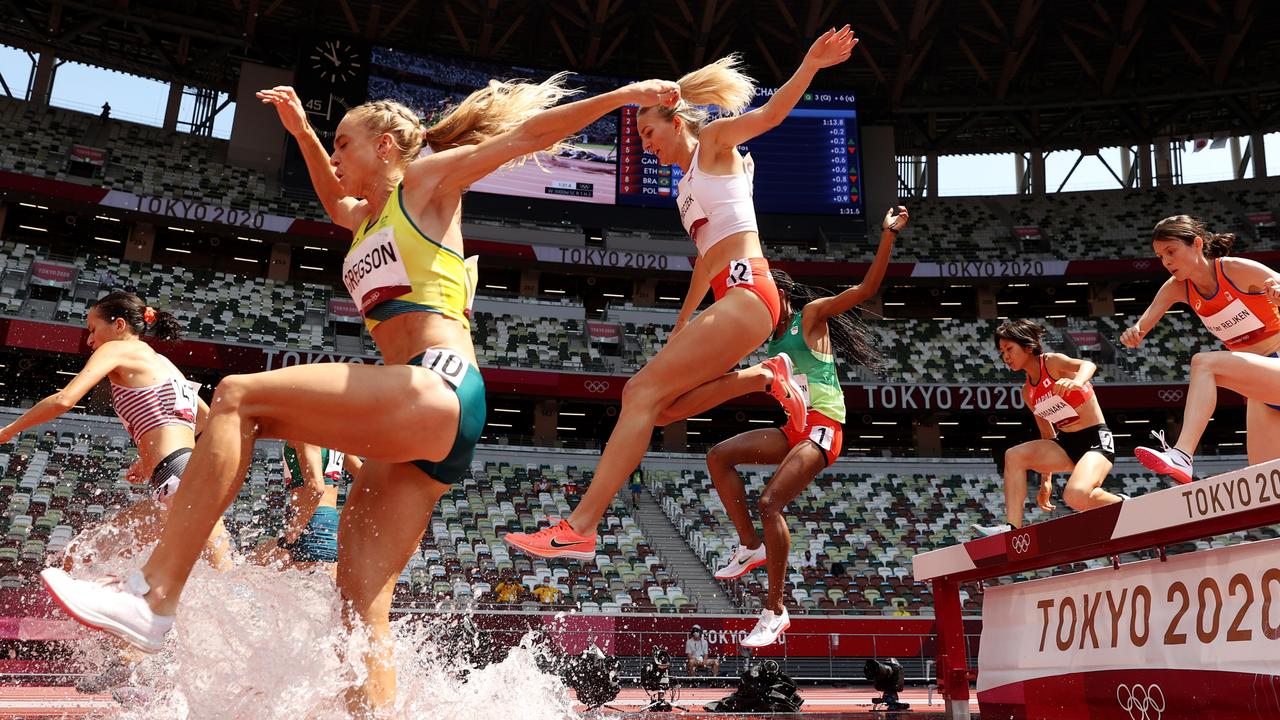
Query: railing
[(1152, 521)]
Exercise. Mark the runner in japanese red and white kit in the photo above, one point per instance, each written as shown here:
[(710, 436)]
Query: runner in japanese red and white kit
[(1074, 437)]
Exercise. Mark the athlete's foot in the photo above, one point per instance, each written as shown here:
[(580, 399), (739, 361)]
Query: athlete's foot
[(559, 540), (743, 561), (768, 629), (113, 605), (117, 673), (785, 390), (989, 530), (1166, 461)]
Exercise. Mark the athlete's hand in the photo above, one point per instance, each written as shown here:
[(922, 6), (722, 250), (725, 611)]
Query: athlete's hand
[(647, 93), (832, 48), (1272, 286), (288, 106), (896, 219), (1066, 386), (1044, 498), (134, 473), (1132, 337)]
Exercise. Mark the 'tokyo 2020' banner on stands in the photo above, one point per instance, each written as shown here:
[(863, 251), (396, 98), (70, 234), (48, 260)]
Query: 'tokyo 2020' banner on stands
[(1195, 636)]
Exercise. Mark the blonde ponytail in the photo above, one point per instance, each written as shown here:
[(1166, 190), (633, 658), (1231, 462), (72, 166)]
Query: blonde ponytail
[(493, 110), (722, 85)]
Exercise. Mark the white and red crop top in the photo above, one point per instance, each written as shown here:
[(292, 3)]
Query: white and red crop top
[(172, 401), (1236, 317), (1055, 409), (713, 207)]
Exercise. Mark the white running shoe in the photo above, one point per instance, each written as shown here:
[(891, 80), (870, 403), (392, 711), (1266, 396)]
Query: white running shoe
[(743, 561), (768, 629), (1166, 461), (112, 605), (989, 530)]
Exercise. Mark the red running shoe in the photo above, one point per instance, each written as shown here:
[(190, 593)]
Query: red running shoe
[(785, 390), (559, 540)]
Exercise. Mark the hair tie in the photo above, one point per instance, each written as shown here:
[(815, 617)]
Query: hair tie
[(149, 315)]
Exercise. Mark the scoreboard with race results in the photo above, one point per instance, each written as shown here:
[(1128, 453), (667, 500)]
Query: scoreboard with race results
[(810, 164)]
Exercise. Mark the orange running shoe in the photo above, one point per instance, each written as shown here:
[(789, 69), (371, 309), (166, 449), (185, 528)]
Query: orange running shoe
[(559, 540), (785, 390)]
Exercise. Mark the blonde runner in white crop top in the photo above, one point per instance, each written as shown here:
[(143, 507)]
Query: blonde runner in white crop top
[(713, 207)]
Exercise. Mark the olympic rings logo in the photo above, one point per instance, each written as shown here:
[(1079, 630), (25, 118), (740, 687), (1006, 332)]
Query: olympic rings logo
[(1141, 264), (1171, 396), (1021, 543), (1141, 702), (595, 386)]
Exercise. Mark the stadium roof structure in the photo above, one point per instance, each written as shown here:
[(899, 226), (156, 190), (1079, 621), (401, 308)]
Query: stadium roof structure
[(953, 76)]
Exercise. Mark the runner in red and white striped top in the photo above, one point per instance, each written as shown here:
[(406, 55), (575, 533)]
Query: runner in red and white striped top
[(161, 411), (172, 401)]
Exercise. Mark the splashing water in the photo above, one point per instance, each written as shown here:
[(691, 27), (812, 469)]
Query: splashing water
[(266, 643)]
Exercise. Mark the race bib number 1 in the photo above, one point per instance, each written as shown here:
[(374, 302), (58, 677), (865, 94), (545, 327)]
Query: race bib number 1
[(822, 436), (447, 364)]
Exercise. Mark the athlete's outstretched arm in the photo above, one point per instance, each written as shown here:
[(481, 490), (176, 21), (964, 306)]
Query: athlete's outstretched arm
[(822, 308), (832, 48), (101, 362), (337, 203), (306, 498), (1170, 292), (459, 167)]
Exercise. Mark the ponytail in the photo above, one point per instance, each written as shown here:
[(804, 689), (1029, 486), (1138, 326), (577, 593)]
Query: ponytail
[(1186, 229), (722, 85), (496, 109), (851, 339), (141, 318)]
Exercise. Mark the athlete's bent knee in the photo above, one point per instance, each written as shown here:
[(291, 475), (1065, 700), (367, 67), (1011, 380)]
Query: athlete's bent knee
[(230, 394), (1016, 458), (1076, 497), (769, 505), (1203, 362), (720, 457), (639, 390)]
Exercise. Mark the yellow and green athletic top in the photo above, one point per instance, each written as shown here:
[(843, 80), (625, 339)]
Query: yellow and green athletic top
[(814, 371), (393, 268)]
